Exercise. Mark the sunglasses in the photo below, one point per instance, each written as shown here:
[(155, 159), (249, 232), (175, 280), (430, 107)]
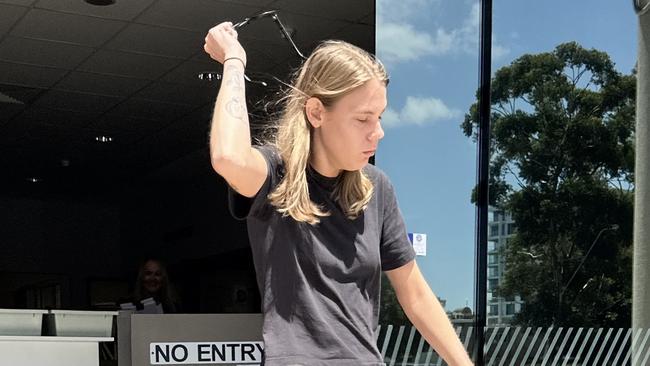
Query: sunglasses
[(273, 14)]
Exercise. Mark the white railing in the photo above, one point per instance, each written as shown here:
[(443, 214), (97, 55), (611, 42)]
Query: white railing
[(519, 346)]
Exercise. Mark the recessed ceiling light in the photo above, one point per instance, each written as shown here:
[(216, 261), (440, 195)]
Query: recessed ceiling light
[(7, 99), (100, 2), (103, 139), (209, 76), (34, 179)]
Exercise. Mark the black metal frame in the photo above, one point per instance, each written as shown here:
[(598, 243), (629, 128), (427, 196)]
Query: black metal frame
[(485, 73)]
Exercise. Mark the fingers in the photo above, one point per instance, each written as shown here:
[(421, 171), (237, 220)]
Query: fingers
[(221, 30), (225, 26), (209, 51), (230, 29), (209, 47), (221, 39)]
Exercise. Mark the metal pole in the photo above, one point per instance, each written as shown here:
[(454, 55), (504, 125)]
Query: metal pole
[(485, 75), (641, 256)]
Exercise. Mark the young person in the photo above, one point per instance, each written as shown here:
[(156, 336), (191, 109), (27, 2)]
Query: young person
[(322, 222)]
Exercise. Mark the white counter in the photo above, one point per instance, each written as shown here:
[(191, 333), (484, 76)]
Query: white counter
[(50, 351)]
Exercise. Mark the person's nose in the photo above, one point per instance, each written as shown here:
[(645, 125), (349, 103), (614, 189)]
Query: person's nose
[(378, 133)]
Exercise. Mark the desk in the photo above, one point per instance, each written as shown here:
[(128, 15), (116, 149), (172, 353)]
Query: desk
[(50, 351), (136, 332)]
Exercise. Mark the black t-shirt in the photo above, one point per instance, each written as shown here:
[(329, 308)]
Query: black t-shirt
[(320, 285)]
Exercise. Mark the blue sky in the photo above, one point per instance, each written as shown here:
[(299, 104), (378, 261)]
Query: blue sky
[(430, 48)]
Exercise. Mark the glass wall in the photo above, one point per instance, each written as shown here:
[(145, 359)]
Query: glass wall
[(562, 173), (430, 49), (562, 183)]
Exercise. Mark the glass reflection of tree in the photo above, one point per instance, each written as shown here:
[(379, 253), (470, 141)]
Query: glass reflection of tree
[(563, 164)]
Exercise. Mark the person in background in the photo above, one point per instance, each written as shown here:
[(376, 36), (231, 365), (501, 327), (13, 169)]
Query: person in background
[(153, 282)]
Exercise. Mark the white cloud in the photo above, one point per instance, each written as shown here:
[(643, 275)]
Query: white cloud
[(468, 35), (399, 10), (390, 118), (401, 42), (419, 111), (498, 51)]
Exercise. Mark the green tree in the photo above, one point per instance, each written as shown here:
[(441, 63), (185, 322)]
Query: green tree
[(562, 163), (390, 311)]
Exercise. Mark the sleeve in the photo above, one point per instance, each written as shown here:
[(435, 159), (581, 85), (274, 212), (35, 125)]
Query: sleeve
[(241, 207), (396, 249)]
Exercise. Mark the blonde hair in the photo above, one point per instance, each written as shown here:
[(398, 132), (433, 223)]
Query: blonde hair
[(334, 69)]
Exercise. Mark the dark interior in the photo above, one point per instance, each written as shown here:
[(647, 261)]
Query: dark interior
[(78, 212)]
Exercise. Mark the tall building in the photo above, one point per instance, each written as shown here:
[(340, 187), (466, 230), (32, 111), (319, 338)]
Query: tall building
[(501, 228)]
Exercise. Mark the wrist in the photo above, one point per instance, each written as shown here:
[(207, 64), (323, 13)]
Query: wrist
[(235, 58)]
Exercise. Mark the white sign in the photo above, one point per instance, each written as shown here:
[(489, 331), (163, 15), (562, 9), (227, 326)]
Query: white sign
[(419, 242), (174, 353)]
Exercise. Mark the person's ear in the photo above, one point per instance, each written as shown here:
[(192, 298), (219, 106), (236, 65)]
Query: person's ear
[(314, 109)]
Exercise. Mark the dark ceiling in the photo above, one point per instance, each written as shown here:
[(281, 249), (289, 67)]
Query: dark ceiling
[(71, 72)]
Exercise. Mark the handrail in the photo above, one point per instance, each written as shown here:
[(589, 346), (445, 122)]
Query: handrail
[(511, 345)]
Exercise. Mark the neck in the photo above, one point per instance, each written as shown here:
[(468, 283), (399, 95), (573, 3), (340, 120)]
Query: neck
[(321, 164)]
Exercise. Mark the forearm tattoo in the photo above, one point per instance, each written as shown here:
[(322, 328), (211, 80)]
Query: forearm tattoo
[(235, 78), (235, 106)]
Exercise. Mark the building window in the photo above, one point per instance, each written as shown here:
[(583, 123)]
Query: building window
[(492, 284), (493, 271), (492, 259), (492, 245), (510, 309), (494, 230), (494, 310), (512, 228)]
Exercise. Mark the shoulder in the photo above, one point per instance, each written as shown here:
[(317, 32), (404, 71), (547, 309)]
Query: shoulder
[(384, 191), (377, 176)]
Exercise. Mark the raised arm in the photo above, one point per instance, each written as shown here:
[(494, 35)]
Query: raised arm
[(231, 153)]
